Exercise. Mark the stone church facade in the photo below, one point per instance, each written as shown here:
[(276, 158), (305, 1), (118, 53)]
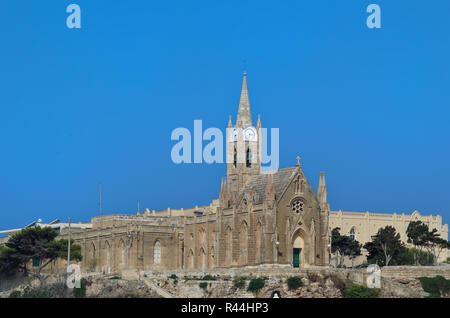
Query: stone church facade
[(259, 219)]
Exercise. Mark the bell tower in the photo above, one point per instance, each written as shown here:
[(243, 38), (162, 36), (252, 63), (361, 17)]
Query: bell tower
[(243, 145)]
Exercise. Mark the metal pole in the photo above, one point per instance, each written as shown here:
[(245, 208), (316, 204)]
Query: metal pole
[(68, 247)]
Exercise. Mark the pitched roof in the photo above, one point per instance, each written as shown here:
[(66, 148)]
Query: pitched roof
[(258, 184)]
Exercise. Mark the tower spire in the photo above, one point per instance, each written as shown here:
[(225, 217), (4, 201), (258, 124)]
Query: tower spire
[(244, 117), (322, 189)]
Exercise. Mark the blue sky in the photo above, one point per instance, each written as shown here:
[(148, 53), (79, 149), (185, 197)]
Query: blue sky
[(78, 107)]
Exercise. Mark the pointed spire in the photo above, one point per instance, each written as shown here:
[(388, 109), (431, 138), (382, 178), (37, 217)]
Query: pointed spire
[(319, 188), (244, 117), (322, 189), (230, 124), (258, 125)]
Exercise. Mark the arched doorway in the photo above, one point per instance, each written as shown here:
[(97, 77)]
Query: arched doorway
[(298, 251)]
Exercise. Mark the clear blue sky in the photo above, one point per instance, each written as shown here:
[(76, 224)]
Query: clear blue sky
[(79, 107)]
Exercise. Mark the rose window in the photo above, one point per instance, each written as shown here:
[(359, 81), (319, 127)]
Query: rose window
[(298, 206)]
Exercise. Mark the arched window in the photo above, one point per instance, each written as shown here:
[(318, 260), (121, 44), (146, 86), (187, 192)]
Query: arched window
[(157, 253), (353, 234), (235, 157), (248, 161)]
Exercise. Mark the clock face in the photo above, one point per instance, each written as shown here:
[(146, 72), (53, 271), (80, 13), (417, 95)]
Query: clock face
[(234, 135), (250, 134)]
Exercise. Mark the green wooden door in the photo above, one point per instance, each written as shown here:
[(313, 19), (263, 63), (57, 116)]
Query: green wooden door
[(36, 262), (296, 257)]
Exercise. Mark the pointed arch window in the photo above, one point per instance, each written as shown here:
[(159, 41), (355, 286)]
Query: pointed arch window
[(235, 157), (157, 253), (353, 234), (248, 161)]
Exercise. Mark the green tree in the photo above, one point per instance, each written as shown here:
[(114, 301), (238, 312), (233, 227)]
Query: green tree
[(35, 244), (385, 246), (435, 245), (344, 246), (418, 234), (406, 257)]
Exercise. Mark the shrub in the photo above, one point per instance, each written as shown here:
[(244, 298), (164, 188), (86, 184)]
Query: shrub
[(80, 292), (173, 276), (209, 277), (15, 294), (448, 260), (203, 285), (294, 282), (256, 284), (437, 286), (115, 277), (36, 293), (314, 277), (361, 291), (239, 282)]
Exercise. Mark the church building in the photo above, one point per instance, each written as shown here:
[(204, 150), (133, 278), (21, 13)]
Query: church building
[(259, 219)]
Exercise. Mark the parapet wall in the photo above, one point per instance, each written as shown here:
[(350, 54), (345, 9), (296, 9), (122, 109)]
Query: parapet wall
[(415, 271)]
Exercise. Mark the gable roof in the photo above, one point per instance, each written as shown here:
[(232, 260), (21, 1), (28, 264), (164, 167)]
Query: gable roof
[(258, 184)]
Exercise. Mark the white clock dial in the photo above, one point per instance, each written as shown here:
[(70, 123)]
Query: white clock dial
[(234, 135), (250, 134)]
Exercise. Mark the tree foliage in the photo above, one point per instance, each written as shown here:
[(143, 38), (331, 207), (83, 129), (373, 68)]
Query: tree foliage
[(385, 246), (436, 286), (256, 284), (361, 291), (344, 246), (37, 244), (294, 282), (419, 234)]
